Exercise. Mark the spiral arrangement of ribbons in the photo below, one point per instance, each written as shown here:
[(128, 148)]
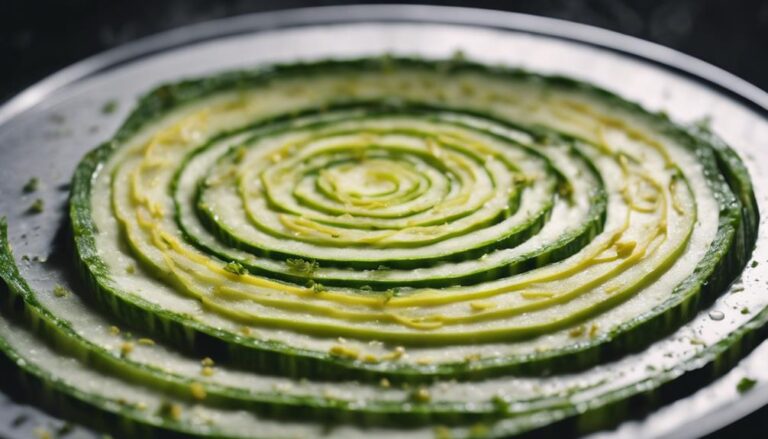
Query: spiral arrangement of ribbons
[(399, 243)]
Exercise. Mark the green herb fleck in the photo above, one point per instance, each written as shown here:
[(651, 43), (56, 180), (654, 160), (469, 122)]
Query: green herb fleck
[(109, 107), (745, 310), (500, 404), (316, 287), (745, 384), (170, 410), (31, 185), (302, 266), (421, 395), (37, 207), (235, 268), (60, 291), (389, 294), (565, 190), (754, 264)]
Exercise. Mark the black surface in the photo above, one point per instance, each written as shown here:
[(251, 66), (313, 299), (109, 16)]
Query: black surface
[(39, 37)]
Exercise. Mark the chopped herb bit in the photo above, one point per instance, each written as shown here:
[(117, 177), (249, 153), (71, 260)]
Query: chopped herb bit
[(114, 330), (754, 264), (198, 391), (170, 411), (31, 185), (398, 353), (421, 395), (366, 288), (126, 348), (389, 294), (745, 384), (146, 341), (235, 268), (109, 107), (37, 206), (577, 331), (500, 404), (60, 291), (207, 362), (318, 287), (302, 266), (384, 383), (344, 352), (745, 310), (207, 371)]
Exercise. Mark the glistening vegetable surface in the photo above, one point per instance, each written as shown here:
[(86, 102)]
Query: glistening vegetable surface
[(383, 244)]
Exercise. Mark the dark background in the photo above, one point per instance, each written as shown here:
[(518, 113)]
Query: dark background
[(38, 37)]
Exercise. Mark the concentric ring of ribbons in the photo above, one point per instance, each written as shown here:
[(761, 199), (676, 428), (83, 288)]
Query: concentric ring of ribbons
[(332, 230)]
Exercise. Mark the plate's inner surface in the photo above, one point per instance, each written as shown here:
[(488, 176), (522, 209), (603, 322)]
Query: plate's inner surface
[(48, 139)]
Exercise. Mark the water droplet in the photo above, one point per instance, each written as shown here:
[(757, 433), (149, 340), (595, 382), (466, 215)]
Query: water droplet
[(716, 315)]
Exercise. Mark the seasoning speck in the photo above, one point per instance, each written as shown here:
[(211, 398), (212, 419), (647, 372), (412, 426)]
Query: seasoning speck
[(126, 348), (170, 411), (235, 267), (31, 185), (198, 391), (421, 395), (37, 207), (745, 384), (109, 107), (60, 291)]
